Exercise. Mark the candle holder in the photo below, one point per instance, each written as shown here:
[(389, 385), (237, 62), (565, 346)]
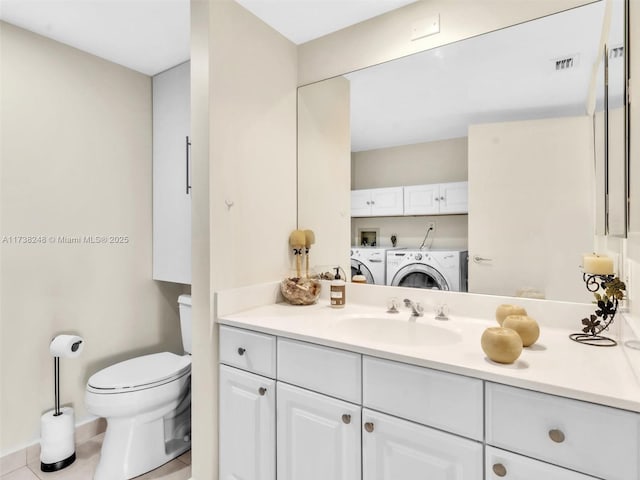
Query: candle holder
[(607, 304)]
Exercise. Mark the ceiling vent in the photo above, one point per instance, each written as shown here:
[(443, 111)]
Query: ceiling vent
[(616, 52), (566, 63)]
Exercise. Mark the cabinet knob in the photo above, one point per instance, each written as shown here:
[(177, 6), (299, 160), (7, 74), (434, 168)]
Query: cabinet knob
[(368, 426), (499, 469), (556, 435), (368, 202), (442, 198), (262, 391), (346, 418), (241, 351)]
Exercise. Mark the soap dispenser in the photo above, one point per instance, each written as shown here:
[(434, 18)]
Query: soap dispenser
[(338, 288)]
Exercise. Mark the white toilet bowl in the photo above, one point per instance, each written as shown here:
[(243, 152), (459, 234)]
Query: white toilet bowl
[(147, 404)]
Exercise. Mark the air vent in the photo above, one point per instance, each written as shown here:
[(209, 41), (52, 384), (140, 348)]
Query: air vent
[(566, 63), (616, 52)]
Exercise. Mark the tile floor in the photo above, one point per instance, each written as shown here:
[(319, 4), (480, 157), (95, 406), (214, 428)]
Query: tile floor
[(87, 455)]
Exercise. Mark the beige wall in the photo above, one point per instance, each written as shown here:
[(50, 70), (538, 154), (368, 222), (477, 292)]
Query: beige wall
[(388, 36), (244, 100), (76, 160), (324, 145), (204, 433), (421, 163)]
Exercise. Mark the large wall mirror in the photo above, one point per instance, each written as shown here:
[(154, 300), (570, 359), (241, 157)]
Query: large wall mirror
[(505, 128)]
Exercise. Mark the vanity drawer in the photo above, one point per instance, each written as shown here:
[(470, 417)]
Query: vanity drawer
[(438, 399), (326, 370), (588, 438), (251, 351), (511, 466)]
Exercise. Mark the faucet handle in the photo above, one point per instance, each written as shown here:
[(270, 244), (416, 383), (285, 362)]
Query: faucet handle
[(407, 302), (419, 307)]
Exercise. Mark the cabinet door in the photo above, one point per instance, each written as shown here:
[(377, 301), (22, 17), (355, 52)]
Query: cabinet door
[(454, 197), (387, 201), (421, 200), (171, 198), (360, 203), (247, 426), (501, 464), (318, 436), (394, 449)]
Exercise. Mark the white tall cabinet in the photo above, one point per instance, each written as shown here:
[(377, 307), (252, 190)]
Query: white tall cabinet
[(171, 180)]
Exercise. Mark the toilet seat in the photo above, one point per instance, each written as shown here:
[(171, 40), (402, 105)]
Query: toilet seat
[(140, 373)]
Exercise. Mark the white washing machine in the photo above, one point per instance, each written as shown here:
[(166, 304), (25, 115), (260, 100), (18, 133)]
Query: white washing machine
[(436, 269), (371, 262)]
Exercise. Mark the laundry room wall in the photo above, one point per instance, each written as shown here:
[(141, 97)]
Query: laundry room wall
[(423, 163)]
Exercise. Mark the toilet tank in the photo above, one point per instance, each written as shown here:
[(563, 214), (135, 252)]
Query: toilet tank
[(184, 303)]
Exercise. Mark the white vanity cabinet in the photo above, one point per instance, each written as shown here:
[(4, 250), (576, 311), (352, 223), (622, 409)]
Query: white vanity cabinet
[(171, 182), (377, 202), (501, 464), (436, 199), (592, 439), (394, 449), (318, 436), (247, 425), (328, 413), (247, 405)]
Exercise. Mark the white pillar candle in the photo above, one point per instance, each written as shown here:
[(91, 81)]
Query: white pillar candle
[(597, 264)]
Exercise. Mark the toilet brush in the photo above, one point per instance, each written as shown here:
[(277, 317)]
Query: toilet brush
[(57, 436)]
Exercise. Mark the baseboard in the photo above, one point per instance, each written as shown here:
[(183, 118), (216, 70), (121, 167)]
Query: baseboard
[(20, 458)]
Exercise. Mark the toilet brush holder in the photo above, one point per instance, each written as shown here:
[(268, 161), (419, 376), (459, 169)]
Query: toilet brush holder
[(57, 426)]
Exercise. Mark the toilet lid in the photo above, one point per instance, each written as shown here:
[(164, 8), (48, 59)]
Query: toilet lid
[(141, 371)]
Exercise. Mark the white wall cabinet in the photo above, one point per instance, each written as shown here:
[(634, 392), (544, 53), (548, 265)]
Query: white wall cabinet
[(171, 182), (377, 202), (247, 425), (395, 449), (318, 436), (436, 199)]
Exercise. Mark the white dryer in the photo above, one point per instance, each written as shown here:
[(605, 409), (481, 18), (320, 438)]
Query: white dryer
[(370, 261), (435, 269)]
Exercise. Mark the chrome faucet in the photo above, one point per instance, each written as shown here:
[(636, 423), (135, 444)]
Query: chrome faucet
[(417, 310)]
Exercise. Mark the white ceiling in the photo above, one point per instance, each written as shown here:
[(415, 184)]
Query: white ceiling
[(151, 36), (145, 35), (502, 76)]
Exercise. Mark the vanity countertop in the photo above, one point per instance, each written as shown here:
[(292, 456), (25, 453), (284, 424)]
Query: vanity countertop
[(554, 364)]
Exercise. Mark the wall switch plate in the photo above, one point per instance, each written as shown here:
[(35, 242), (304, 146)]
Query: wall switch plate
[(425, 27)]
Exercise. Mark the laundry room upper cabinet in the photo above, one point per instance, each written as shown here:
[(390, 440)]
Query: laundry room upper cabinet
[(436, 199), (377, 202), (171, 180)]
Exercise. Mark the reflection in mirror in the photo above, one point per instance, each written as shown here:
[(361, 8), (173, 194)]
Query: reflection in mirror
[(490, 150)]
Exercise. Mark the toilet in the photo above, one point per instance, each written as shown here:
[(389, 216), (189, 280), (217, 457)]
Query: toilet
[(147, 404)]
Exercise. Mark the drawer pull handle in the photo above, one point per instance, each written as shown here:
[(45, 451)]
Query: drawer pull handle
[(241, 351), (262, 391), (346, 418), (499, 469), (556, 435), (368, 426)]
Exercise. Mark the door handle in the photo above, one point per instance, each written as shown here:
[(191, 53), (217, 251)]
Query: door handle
[(188, 150), (478, 259)]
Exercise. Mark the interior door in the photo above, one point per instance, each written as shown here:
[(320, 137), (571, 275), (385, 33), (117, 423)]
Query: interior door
[(526, 179)]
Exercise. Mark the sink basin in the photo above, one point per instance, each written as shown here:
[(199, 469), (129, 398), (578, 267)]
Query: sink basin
[(396, 331)]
